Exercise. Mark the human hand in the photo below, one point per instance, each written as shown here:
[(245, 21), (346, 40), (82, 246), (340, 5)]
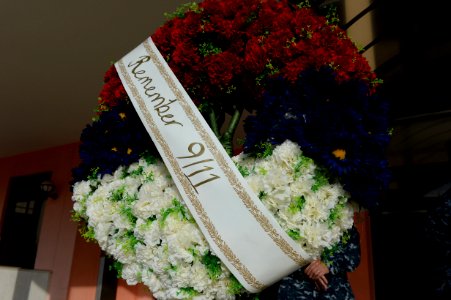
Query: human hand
[(321, 283), (316, 269)]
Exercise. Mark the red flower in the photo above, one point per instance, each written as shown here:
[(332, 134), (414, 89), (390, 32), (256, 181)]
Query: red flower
[(112, 91), (254, 57), (221, 68), (225, 48)]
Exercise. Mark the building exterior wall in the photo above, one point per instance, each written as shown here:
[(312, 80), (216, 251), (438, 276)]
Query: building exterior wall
[(58, 232)]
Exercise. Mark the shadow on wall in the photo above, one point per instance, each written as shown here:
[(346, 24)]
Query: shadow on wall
[(23, 284)]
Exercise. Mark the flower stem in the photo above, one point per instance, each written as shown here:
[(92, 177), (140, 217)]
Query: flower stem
[(214, 123), (227, 138)]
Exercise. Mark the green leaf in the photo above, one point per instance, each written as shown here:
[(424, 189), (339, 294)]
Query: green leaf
[(294, 234), (335, 213), (235, 286), (88, 233), (128, 245), (177, 209), (302, 163), (243, 170), (212, 264), (207, 49), (137, 172), (149, 158), (94, 173), (264, 150), (182, 10), (297, 204), (320, 178), (117, 266), (189, 292), (118, 195)]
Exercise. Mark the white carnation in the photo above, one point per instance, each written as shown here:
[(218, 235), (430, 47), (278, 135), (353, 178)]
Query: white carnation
[(139, 217), (131, 273)]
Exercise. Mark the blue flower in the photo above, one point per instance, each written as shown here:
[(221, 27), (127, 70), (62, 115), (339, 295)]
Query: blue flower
[(341, 125), (116, 138)]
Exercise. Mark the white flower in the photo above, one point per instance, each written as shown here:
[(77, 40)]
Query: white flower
[(80, 190), (199, 278), (139, 217), (149, 279), (286, 154), (131, 273)]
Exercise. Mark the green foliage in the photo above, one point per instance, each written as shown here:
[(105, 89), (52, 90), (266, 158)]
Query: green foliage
[(264, 150), (150, 177), (294, 234), (137, 172), (130, 242), (148, 223), (94, 173), (269, 70), (118, 195), (117, 266), (88, 233), (207, 49), (171, 267), (320, 178), (297, 204), (212, 264), (193, 251), (377, 81), (188, 292), (126, 210), (235, 287), (262, 171), (76, 216), (335, 213), (177, 209), (149, 158), (305, 3), (182, 9), (243, 170), (332, 14), (302, 163)]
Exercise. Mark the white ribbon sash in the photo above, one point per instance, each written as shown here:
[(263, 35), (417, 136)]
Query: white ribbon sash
[(237, 226)]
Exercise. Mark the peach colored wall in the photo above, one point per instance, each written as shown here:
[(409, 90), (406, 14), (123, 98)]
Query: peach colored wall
[(132, 292), (58, 232), (362, 279), (84, 271)]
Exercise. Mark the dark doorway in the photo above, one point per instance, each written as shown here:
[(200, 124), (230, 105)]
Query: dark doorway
[(20, 230), (409, 250)]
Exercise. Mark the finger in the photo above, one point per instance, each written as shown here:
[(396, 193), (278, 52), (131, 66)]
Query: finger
[(310, 266), (309, 274), (309, 270), (317, 271), (313, 263), (318, 286), (320, 270), (324, 268), (312, 273), (323, 280), (322, 283)]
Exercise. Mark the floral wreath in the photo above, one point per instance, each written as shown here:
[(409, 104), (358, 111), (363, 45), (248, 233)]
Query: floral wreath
[(314, 142)]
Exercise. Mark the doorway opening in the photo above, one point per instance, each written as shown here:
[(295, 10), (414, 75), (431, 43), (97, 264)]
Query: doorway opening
[(21, 220)]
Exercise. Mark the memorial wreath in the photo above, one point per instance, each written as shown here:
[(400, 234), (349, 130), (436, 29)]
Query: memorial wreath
[(313, 149)]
